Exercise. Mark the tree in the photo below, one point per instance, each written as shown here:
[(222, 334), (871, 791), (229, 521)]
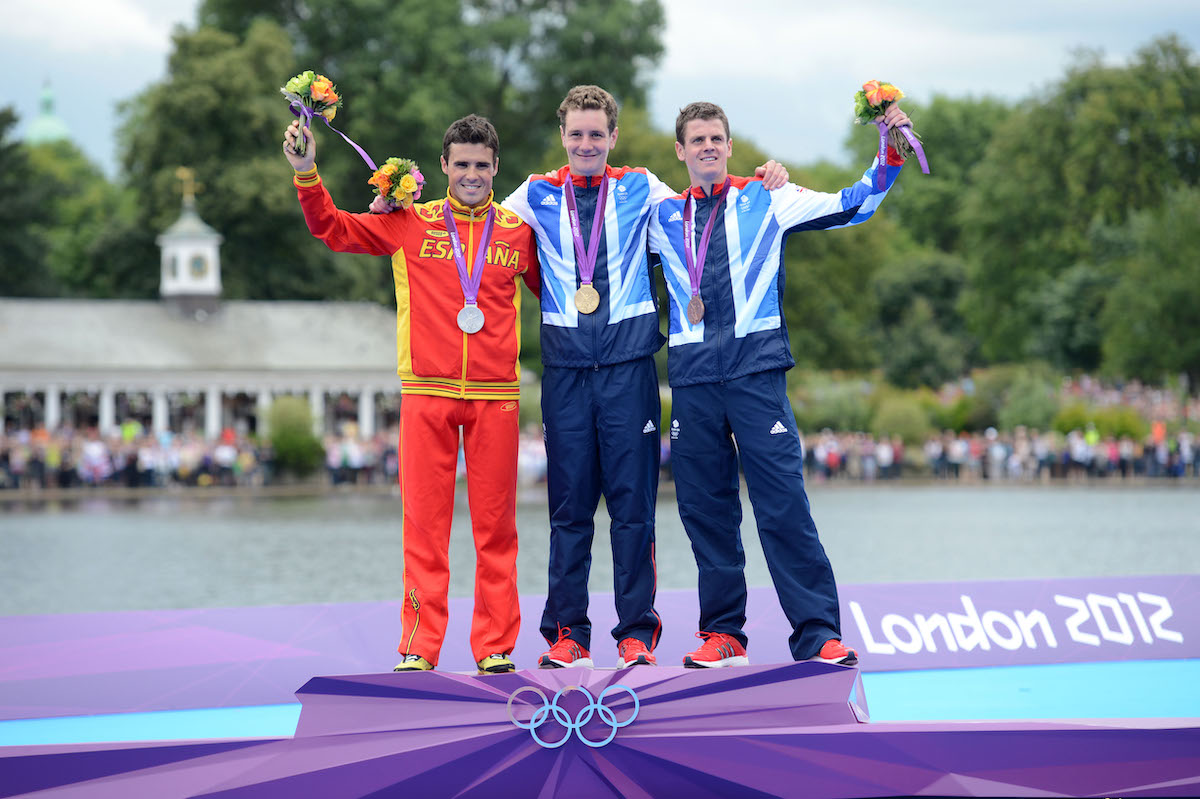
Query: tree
[(23, 268), (918, 322), (76, 221), (1151, 316), (1066, 312), (1102, 143)]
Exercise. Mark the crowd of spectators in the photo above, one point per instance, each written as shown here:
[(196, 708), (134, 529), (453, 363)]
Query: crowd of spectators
[(1022, 455), (133, 457)]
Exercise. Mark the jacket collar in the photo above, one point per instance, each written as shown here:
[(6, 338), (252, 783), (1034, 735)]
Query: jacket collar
[(584, 181), (468, 211), (714, 191)]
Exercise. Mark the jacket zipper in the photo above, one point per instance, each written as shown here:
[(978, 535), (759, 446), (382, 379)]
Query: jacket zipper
[(592, 322), (469, 256), (715, 288)]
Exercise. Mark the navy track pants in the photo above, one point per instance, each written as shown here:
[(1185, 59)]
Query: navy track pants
[(601, 426), (713, 426)]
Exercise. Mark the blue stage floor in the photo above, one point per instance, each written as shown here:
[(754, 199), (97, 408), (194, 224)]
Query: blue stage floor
[(1113, 690)]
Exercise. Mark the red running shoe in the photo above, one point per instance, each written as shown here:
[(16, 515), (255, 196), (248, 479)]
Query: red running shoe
[(565, 654), (632, 652), (717, 650), (834, 652)]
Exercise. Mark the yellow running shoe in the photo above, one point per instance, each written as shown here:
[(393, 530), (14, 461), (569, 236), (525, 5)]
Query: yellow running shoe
[(496, 664), (413, 663)]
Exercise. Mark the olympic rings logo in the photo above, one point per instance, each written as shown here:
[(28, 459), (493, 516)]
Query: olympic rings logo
[(595, 706)]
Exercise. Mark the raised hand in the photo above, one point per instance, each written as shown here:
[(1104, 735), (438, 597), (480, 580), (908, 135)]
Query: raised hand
[(300, 163), (894, 117)]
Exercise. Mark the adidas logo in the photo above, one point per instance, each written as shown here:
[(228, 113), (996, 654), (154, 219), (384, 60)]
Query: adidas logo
[(649, 428), (675, 217), (549, 200), (778, 428)]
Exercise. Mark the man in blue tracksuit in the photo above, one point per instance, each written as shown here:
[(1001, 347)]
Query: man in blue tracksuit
[(721, 247), (600, 402)]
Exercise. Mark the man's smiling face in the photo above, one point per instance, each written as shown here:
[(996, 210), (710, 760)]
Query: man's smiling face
[(471, 169), (586, 139), (705, 151)]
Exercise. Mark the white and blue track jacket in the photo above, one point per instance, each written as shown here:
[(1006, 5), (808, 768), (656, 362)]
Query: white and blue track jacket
[(625, 326), (743, 331)]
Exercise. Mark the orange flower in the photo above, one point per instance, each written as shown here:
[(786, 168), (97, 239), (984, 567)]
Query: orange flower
[(380, 181), (322, 90), (871, 88), (330, 112), (890, 93)]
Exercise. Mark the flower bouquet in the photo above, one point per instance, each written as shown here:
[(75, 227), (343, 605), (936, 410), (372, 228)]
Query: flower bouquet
[(870, 104), (310, 94), (398, 181)]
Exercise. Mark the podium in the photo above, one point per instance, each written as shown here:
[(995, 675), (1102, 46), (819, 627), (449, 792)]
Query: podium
[(796, 729)]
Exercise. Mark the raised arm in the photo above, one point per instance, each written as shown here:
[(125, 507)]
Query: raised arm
[(797, 208), (341, 231)]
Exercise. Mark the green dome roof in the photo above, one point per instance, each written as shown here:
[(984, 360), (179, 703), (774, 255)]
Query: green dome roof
[(47, 126)]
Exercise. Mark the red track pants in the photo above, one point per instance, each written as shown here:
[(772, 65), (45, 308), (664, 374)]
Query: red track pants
[(428, 457)]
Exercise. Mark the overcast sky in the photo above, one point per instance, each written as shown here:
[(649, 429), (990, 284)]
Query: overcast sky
[(785, 71)]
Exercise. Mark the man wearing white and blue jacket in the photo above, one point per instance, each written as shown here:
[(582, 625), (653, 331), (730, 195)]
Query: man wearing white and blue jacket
[(721, 247), (600, 404)]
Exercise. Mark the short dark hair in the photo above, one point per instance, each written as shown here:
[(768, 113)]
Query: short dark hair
[(471, 129), (589, 98), (693, 111)]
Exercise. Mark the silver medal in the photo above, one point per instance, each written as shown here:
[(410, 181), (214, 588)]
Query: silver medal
[(470, 319)]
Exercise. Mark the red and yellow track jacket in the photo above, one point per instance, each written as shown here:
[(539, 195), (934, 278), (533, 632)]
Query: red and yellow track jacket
[(434, 357)]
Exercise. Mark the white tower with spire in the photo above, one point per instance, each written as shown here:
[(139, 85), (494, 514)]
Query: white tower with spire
[(191, 256)]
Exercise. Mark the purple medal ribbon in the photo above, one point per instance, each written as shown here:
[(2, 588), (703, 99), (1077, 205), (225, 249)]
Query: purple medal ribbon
[(470, 282), (586, 258), (307, 114), (906, 131), (695, 264)]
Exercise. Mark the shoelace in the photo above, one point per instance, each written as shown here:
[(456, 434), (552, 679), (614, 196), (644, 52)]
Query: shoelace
[(715, 641), (563, 640)]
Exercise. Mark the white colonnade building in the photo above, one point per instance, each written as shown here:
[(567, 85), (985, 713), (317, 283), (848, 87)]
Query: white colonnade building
[(191, 360)]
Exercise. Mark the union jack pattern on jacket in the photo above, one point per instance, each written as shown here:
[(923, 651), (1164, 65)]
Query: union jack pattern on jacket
[(743, 331), (625, 326)]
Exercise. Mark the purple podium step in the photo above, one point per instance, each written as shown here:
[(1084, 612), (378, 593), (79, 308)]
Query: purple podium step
[(655, 701), (758, 731)]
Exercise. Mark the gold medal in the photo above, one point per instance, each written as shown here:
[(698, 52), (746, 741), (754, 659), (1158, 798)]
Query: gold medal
[(587, 299), (695, 310)]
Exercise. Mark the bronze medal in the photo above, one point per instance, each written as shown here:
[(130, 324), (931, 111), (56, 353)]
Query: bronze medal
[(695, 310), (587, 299)]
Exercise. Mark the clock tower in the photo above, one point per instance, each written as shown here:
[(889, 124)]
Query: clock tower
[(191, 259)]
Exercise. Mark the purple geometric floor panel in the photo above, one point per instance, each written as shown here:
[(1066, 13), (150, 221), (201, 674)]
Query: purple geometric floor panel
[(757, 731)]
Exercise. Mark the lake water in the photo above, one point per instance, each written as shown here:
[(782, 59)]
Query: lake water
[(170, 552)]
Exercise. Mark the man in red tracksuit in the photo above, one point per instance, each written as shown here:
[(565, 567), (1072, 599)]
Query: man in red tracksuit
[(458, 340)]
